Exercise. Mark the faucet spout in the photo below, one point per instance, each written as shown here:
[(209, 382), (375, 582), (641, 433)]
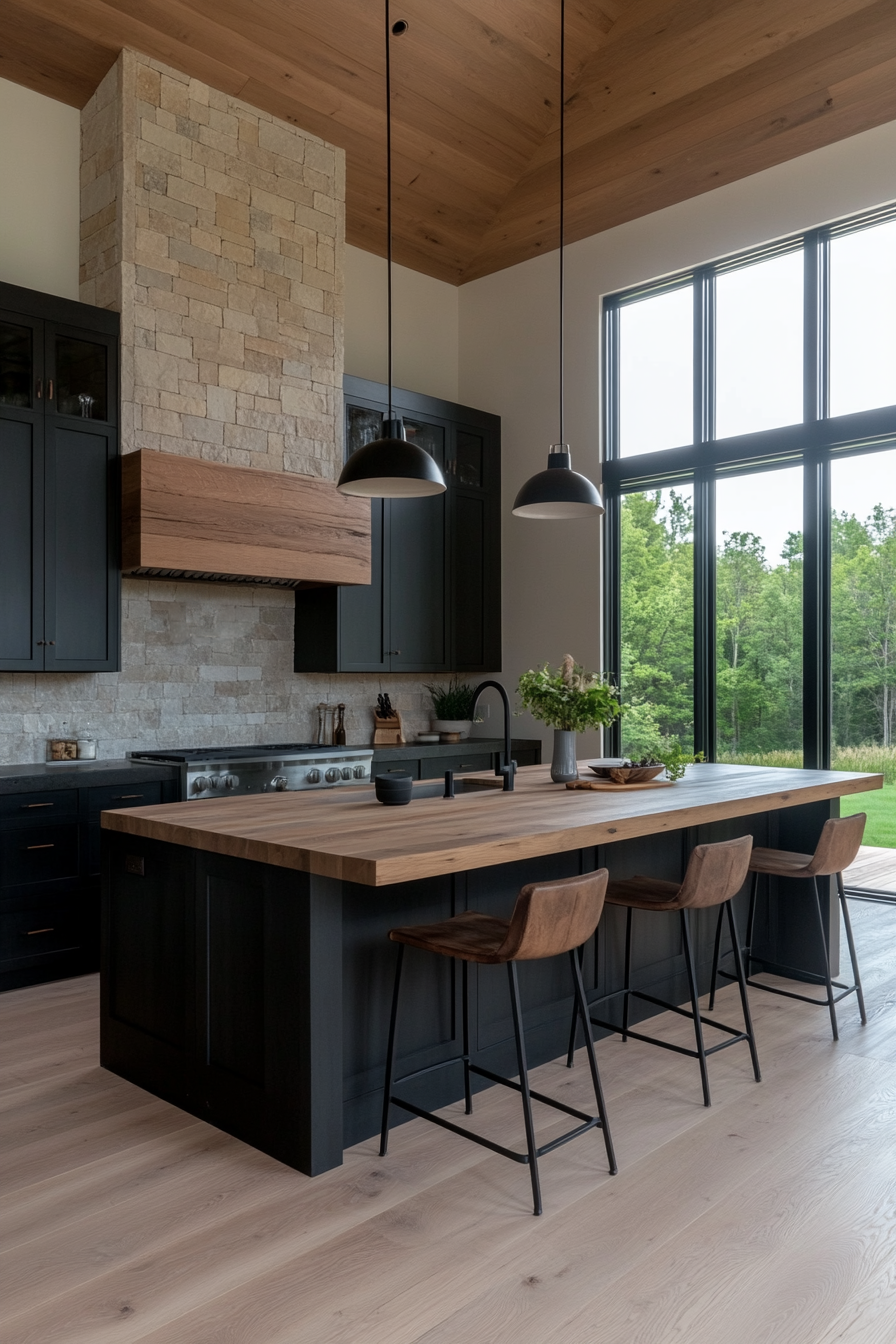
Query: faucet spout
[(506, 766)]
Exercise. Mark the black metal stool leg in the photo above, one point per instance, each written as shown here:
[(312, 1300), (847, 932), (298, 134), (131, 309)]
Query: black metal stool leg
[(390, 1056), (524, 1084), (832, 1007), (857, 980), (715, 962), (468, 1094), (574, 1024), (751, 924), (742, 984), (695, 1005), (628, 971), (582, 1012)]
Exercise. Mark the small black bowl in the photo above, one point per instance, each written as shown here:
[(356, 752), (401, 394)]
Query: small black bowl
[(394, 790)]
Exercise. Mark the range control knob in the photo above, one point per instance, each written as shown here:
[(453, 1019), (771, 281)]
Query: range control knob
[(359, 771), (346, 772), (214, 781), (279, 782), (313, 777), (200, 784), (332, 775), (231, 781)]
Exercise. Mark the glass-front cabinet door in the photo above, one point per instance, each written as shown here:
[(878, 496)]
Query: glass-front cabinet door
[(82, 378), (19, 363)]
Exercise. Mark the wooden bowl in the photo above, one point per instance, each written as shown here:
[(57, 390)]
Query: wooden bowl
[(627, 774)]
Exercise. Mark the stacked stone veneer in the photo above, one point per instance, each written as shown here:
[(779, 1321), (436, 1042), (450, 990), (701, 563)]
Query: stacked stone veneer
[(217, 232)]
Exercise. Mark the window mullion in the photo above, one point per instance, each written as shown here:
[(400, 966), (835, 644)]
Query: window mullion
[(612, 652), (704, 518)]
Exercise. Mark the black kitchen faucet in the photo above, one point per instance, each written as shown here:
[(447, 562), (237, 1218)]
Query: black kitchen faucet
[(506, 765)]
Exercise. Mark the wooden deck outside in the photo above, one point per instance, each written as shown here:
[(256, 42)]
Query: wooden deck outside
[(873, 870)]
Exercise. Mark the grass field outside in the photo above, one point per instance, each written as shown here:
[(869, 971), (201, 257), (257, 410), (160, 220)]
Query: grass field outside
[(880, 805)]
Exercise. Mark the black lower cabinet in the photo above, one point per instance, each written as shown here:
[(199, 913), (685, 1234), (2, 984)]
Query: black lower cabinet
[(50, 877), (422, 761)]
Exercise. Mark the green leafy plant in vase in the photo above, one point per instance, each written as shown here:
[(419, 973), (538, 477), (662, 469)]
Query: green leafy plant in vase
[(568, 699), (452, 707)]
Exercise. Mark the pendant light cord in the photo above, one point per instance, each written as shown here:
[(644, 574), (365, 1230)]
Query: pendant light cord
[(389, 196), (562, 148)]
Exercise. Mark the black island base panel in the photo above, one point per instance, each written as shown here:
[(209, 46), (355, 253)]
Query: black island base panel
[(257, 997)]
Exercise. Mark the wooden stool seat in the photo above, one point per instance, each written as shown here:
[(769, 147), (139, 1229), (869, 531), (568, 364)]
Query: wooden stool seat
[(549, 918), (837, 848), (645, 893), (781, 862), (471, 936), (715, 874)]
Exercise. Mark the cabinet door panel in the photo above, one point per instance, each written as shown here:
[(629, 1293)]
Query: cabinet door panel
[(82, 585), (417, 567), (364, 608), (21, 544)]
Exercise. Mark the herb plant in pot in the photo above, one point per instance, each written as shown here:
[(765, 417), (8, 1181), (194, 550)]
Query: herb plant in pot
[(569, 700), (452, 707)]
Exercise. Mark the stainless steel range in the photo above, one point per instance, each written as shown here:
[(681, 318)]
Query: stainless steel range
[(219, 772)]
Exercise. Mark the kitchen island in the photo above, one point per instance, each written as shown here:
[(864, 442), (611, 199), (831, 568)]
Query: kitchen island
[(246, 964)]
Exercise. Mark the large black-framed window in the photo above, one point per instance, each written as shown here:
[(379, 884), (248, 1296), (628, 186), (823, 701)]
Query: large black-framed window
[(692, 322)]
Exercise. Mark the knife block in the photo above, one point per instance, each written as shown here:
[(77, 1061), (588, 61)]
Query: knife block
[(387, 732)]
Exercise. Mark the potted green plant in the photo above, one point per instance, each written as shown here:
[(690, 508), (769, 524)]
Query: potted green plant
[(452, 707), (569, 700)]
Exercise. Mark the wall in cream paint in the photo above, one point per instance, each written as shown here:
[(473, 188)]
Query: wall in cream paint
[(424, 325), (508, 364), (39, 201)]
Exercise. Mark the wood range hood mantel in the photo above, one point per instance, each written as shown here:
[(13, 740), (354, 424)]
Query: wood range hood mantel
[(185, 518)]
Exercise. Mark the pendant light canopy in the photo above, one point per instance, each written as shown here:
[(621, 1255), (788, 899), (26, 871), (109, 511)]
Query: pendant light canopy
[(390, 467), (559, 492)]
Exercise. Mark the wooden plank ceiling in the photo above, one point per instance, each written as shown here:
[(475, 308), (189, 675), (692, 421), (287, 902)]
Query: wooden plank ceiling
[(665, 98)]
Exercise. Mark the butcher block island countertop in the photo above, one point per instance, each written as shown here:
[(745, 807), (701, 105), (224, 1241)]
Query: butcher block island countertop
[(346, 834)]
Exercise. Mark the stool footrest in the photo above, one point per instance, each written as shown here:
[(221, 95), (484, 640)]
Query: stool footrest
[(685, 1012), (792, 994), (669, 1045), (592, 1123)]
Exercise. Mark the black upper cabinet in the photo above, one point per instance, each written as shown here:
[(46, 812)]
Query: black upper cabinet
[(434, 601), (59, 511)]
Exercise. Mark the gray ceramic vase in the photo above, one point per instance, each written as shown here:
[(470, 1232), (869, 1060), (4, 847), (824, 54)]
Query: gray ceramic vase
[(563, 761)]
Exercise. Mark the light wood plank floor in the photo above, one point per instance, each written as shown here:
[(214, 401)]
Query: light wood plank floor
[(768, 1219)]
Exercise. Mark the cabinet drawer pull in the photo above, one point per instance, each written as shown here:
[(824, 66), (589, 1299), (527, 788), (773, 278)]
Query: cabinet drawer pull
[(50, 390), (468, 765), (25, 806), (121, 797), (30, 932), (50, 846), (40, 388)]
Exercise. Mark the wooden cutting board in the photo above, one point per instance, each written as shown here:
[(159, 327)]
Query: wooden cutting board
[(606, 786)]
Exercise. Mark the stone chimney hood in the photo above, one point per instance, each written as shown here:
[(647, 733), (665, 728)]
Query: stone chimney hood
[(186, 518)]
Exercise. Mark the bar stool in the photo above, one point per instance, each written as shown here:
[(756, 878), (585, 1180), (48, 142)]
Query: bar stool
[(549, 918), (715, 873), (837, 847)]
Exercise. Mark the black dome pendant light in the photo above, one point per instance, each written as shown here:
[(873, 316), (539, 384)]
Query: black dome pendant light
[(559, 492), (390, 467)]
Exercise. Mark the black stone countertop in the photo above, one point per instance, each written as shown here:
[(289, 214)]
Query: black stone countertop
[(78, 775), (416, 750)]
